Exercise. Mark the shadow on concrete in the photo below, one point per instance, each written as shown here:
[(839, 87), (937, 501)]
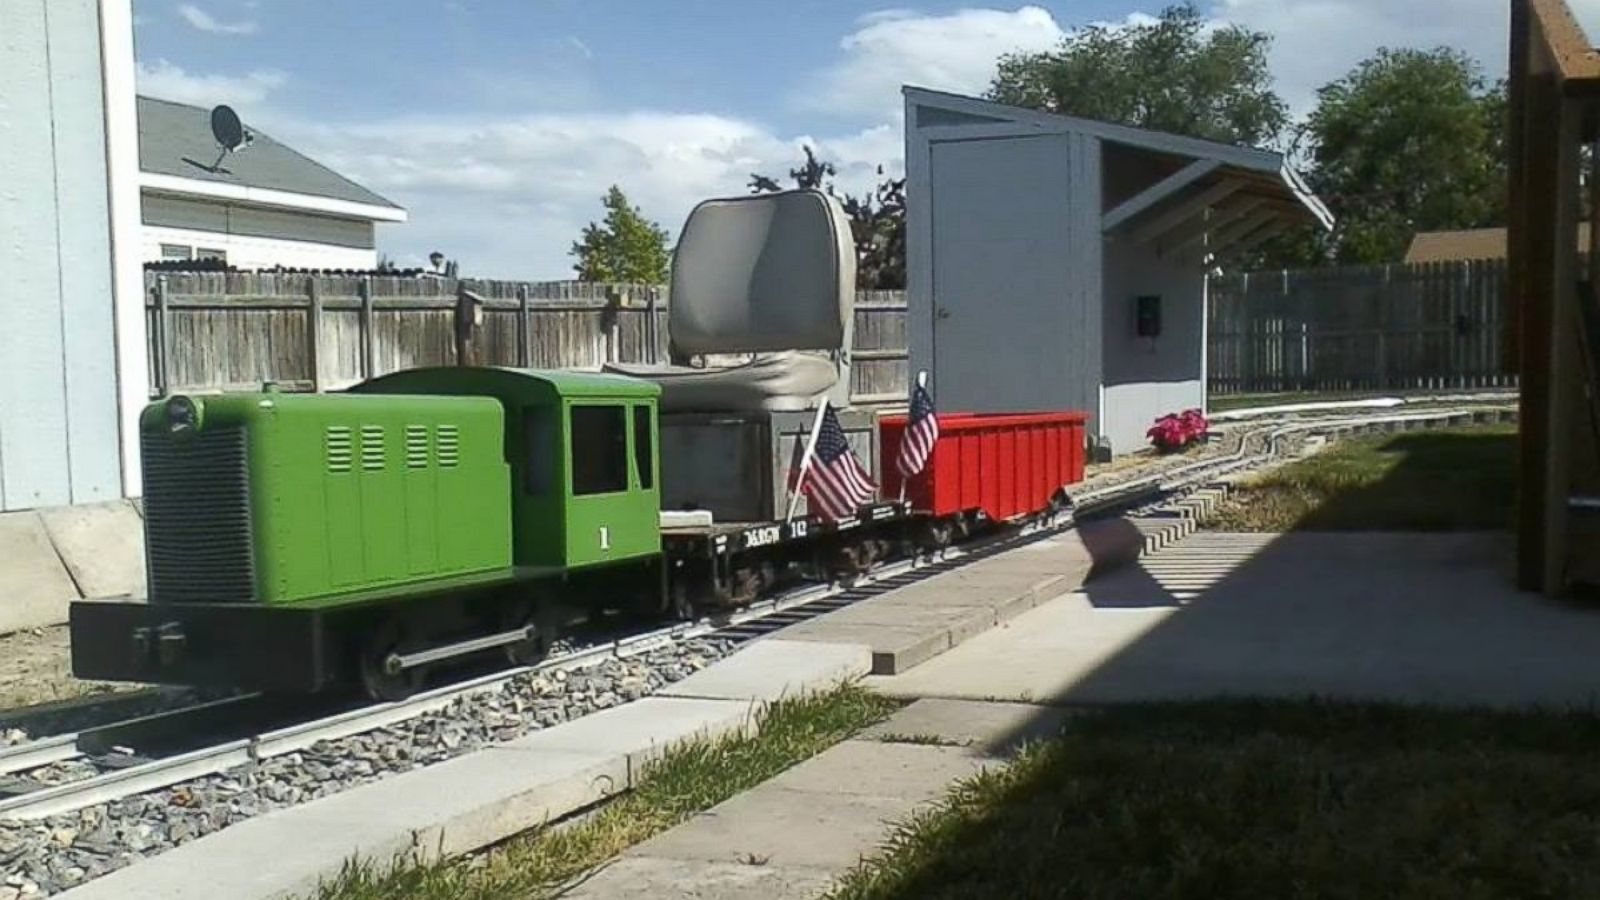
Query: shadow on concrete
[(1356, 621)]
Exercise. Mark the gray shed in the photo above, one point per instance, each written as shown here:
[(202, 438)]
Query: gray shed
[(1060, 263)]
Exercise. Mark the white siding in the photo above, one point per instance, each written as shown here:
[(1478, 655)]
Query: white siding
[(260, 253), (255, 238), (1150, 377), (59, 438)]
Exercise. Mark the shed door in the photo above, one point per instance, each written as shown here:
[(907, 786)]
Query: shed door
[(1001, 274)]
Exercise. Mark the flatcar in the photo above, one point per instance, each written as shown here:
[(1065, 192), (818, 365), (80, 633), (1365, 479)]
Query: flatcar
[(308, 542)]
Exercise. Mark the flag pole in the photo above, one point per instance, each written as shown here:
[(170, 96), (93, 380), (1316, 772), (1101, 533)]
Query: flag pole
[(922, 382), (805, 460)]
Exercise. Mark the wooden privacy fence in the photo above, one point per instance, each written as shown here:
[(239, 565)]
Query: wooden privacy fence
[(1376, 328), (236, 330)]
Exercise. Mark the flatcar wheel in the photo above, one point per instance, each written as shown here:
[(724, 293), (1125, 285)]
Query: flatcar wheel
[(380, 676)]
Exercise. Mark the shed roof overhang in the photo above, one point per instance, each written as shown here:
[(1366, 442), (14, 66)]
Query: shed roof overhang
[(1189, 199), (1211, 209)]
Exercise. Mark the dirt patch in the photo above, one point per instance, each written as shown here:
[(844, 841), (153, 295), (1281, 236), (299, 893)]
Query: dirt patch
[(36, 667)]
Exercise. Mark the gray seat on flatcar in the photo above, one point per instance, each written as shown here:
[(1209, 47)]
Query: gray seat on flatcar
[(769, 277)]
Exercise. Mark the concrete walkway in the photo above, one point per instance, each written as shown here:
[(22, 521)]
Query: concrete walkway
[(1399, 617), (1426, 618), (793, 836)]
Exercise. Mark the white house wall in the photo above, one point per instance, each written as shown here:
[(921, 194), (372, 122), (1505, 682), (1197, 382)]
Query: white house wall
[(59, 437), (1150, 377), (257, 238)]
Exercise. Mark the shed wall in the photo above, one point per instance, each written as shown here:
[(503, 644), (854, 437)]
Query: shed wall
[(59, 439), (1150, 377)]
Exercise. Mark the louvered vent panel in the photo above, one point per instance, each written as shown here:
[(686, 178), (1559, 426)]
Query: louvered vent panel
[(448, 451), (372, 448), (197, 517), (416, 446), (340, 448)]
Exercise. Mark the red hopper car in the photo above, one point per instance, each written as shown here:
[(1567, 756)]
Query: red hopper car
[(1008, 466)]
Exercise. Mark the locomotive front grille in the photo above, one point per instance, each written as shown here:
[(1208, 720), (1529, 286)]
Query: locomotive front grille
[(198, 537)]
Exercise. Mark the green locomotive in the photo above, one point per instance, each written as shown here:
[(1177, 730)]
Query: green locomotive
[(296, 541)]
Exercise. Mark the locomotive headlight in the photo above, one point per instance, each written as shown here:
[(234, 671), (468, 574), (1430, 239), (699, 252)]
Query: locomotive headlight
[(183, 414)]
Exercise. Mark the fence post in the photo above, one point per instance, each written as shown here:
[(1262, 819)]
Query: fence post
[(1286, 370), (469, 307), (609, 322), (314, 333), (1383, 330), (524, 329), (650, 332), (162, 373), (368, 341)]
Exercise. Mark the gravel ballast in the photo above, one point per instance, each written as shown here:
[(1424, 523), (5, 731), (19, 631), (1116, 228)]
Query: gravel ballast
[(39, 858)]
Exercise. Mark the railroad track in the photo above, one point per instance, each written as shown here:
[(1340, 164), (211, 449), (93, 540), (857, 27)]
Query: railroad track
[(154, 752), (126, 758)]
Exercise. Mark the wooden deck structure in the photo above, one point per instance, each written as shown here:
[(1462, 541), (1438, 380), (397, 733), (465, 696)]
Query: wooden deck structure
[(1554, 133)]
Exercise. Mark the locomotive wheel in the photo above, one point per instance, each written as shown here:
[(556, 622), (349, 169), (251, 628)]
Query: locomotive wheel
[(682, 604), (524, 614), (381, 679)]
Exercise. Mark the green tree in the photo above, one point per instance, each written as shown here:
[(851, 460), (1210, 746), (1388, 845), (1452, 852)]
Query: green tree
[(1176, 74), (877, 220), (1408, 141), (626, 247)]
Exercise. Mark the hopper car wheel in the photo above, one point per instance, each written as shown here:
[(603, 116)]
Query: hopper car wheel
[(379, 676), (532, 650)]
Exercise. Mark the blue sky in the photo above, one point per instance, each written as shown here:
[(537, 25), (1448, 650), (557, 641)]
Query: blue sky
[(498, 123)]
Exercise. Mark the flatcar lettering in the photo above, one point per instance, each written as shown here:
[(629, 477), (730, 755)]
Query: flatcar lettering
[(761, 537)]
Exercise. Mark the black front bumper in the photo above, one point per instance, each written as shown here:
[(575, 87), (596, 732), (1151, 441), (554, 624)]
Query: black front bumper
[(248, 646)]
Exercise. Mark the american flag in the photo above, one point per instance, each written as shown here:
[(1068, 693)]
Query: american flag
[(922, 429), (836, 484)]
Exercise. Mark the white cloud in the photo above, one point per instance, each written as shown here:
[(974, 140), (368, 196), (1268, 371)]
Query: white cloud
[(168, 81), (508, 196), (206, 22), (955, 52), (577, 44)]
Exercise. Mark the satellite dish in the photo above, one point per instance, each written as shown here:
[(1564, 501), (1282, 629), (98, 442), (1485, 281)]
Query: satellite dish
[(227, 129)]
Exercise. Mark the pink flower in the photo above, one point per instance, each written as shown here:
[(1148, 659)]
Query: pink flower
[(1178, 430)]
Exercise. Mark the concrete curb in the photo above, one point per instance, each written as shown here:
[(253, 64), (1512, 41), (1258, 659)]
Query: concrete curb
[(483, 797), (51, 557), (909, 626)]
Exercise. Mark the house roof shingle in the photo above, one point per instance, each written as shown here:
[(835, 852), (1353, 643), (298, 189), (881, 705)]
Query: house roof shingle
[(175, 139)]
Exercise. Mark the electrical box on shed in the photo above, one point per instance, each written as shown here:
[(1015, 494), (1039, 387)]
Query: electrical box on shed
[(1147, 316)]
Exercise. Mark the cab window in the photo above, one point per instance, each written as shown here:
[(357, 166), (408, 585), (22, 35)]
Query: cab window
[(599, 449), (642, 448)]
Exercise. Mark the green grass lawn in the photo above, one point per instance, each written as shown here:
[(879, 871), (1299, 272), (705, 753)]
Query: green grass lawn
[(1445, 480), (1268, 800), (687, 780)]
